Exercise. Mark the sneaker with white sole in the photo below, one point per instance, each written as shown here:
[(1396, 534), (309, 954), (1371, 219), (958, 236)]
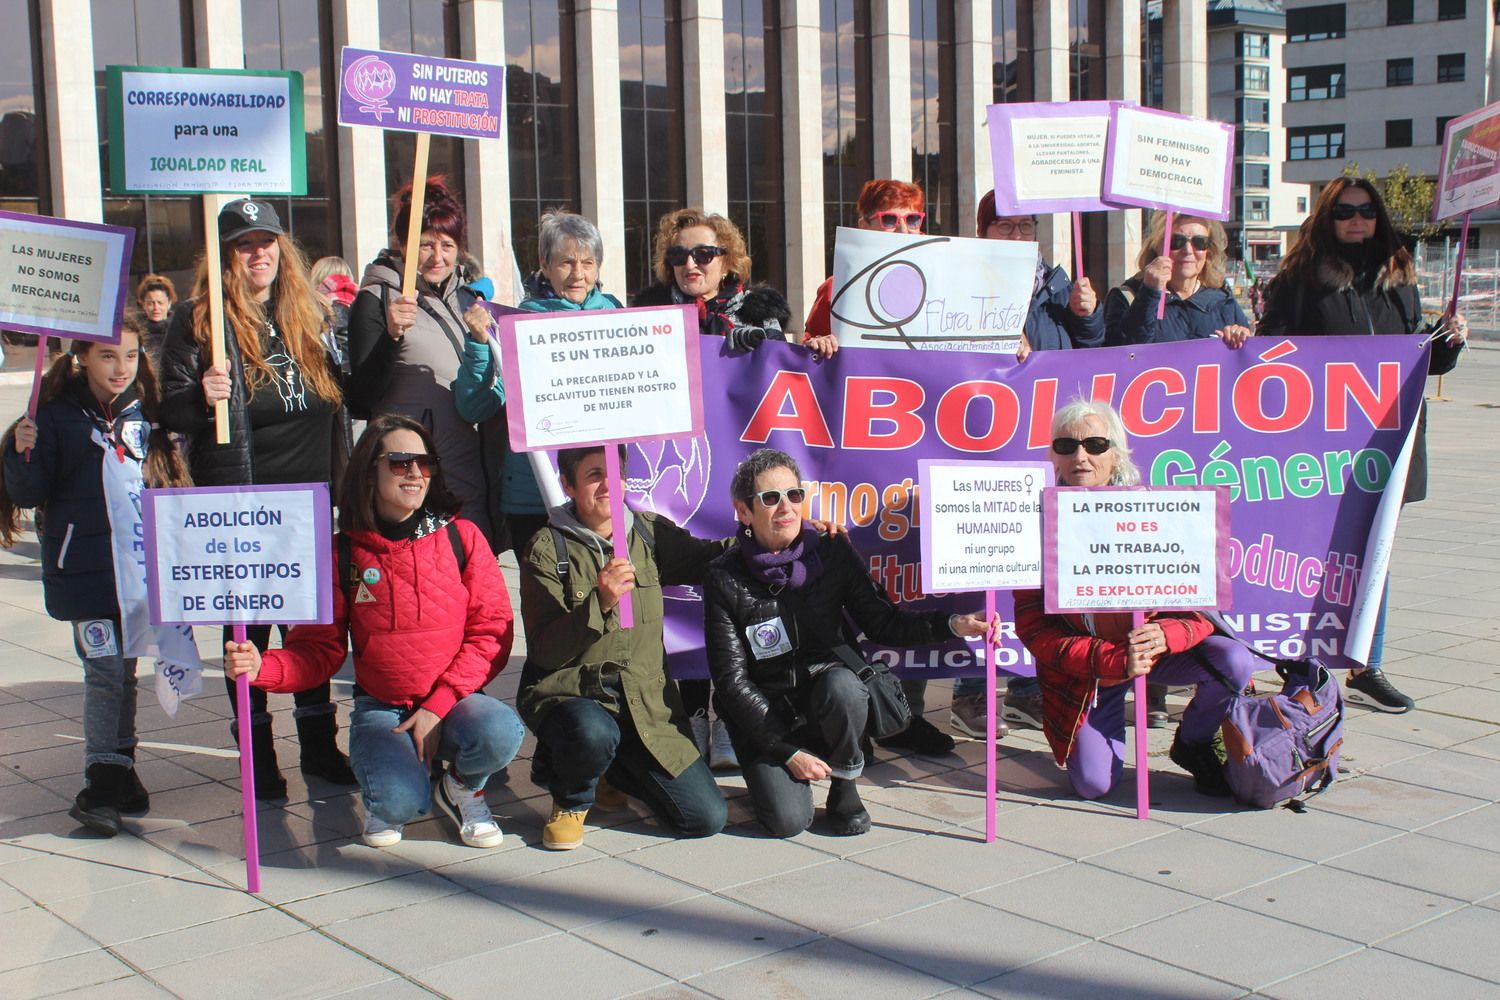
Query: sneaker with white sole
[(469, 812), (967, 716), (1371, 689), (379, 833), (698, 723), (721, 755)]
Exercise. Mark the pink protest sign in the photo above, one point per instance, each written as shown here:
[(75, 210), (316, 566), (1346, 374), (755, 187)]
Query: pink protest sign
[(62, 278), (1469, 172), (1049, 156), (1172, 162), (402, 92)]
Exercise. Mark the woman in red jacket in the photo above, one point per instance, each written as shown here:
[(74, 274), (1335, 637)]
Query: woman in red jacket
[(1085, 661), (425, 603)]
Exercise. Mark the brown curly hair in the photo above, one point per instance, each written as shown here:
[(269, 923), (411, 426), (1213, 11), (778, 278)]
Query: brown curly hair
[(726, 235)]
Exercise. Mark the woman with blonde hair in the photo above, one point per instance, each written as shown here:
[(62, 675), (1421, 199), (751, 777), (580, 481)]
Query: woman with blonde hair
[(1189, 271)]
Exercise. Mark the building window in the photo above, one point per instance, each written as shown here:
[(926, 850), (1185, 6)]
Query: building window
[(1442, 127), (934, 163), (1398, 72), (1398, 133), (1314, 24), (1315, 142), (1252, 142), (1302, 205), (651, 122), (848, 145), (541, 100), (24, 184), (1399, 11), (1252, 79), (1452, 10), (1315, 83), (1257, 209), (1255, 45), (1252, 110), (752, 101), (1011, 37), (1255, 175), (1451, 68)]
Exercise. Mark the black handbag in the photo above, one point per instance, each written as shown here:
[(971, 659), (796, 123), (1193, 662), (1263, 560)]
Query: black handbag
[(889, 712)]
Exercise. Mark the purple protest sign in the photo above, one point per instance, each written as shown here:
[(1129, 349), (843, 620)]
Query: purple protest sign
[(402, 92), (61, 278), (1049, 156), (1304, 432), (1170, 162)]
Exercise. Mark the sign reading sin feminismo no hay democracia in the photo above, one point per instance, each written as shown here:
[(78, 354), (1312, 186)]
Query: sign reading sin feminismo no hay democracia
[(402, 92)]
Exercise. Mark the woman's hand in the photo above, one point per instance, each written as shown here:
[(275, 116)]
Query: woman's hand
[(1024, 351), (968, 626), (1147, 644), (426, 730), (477, 319), (824, 347), (805, 767), (829, 528), (1234, 335), (215, 385), (1157, 273), (241, 658), (1456, 326), (1082, 300), (616, 579), (25, 438), (400, 316)]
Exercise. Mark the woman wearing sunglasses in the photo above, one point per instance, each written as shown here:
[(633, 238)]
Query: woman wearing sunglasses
[(1189, 271), (1348, 272), (423, 601), (1084, 662), (775, 608)]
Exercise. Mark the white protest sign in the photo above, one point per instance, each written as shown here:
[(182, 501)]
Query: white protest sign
[(242, 555), (1162, 548), (61, 278), (935, 292), (601, 376), (1172, 162), (981, 524), (1049, 156), (1469, 172)]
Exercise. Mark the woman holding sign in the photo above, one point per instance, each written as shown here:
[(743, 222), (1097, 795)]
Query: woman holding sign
[(1085, 662), (1349, 273), (1189, 271), (282, 384)]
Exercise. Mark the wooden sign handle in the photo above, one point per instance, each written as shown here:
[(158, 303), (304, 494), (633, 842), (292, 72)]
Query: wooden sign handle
[(414, 226), (215, 259)]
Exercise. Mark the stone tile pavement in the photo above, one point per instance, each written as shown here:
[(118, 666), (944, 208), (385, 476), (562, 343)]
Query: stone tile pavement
[(1388, 886)]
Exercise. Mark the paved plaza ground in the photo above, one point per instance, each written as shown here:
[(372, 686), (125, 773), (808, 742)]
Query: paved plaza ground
[(1388, 886)]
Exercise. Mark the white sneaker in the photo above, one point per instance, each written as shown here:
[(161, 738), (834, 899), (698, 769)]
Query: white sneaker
[(379, 833), (699, 723), (721, 755), (469, 812)]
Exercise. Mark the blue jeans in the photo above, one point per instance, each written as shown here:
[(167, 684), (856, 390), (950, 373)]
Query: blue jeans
[(479, 737), (580, 741), (108, 704), (1377, 638)]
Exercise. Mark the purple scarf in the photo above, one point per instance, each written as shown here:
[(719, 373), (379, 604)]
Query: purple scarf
[(794, 566)]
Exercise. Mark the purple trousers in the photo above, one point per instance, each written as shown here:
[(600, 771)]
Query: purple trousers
[(1098, 757)]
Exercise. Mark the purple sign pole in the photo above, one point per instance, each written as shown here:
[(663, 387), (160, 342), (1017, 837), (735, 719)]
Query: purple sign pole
[(247, 777), (990, 684), (1142, 743), (36, 383)]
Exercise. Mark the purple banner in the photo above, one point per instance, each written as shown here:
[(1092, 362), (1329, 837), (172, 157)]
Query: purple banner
[(400, 92), (1305, 433)]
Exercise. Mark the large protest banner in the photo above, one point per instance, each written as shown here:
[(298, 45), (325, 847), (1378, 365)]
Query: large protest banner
[(1303, 432)]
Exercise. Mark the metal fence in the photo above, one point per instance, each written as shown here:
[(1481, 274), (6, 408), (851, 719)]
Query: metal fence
[(1479, 286)]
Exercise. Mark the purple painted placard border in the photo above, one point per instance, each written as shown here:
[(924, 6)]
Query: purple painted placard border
[(1128, 201), (515, 402), (1002, 152), (924, 482), (401, 63), (126, 249), (322, 541), (1223, 596)]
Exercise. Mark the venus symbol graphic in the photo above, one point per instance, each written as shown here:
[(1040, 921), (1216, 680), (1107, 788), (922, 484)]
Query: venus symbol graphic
[(370, 80), (899, 290)]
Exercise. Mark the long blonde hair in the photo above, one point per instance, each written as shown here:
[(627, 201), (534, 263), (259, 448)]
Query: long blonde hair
[(1212, 275)]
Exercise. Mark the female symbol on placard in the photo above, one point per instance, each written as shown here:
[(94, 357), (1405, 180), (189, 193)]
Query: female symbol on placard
[(370, 80), (899, 290)]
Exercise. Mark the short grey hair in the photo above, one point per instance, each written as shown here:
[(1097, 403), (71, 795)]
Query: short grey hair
[(557, 228), (1076, 412), (742, 487)]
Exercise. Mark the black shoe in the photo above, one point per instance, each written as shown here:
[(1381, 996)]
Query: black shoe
[(846, 813), (97, 806), (134, 799), (1202, 761), (270, 786), (921, 738), (321, 756), (1371, 689), (1156, 706)]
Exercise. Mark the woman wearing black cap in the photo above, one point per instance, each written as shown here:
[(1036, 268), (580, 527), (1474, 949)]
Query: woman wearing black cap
[(282, 386)]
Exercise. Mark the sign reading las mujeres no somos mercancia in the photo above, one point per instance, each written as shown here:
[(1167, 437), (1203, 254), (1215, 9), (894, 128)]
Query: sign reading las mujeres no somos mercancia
[(176, 130), (61, 278)]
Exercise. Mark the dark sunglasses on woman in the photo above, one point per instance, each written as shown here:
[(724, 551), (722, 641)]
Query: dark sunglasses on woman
[(702, 255), (1092, 445), (1344, 213), (770, 498), (1180, 240), (889, 220), (400, 463)]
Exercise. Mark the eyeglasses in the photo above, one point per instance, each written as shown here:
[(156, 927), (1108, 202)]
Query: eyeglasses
[(771, 498), (702, 255), (1343, 212), (1180, 240), (1093, 445), (890, 220), (1006, 227), (400, 463)]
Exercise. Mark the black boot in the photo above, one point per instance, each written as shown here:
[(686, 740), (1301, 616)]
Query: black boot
[(846, 813), (321, 756), (270, 786), (134, 799), (97, 806), (1201, 760)]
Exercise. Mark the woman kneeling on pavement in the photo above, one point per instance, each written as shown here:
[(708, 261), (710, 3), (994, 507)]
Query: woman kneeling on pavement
[(796, 713), (425, 603), (1085, 662)]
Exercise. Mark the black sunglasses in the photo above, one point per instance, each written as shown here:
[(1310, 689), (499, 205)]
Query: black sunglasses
[(702, 255), (770, 498), (1093, 445), (1180, 240), (400, 463), (1343, 212)]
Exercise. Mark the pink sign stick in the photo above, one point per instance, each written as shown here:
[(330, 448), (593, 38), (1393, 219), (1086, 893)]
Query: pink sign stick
[(41, 367), (1142, 773), (989, 723), (1166, 251), (247, 777), (1458, 267), (1077, 246), (617, 521)]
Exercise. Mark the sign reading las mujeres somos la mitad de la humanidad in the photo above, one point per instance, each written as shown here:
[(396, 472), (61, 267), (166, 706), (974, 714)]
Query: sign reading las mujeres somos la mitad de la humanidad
[(239, 555), (205, 131), (981, 524), (63, 279)]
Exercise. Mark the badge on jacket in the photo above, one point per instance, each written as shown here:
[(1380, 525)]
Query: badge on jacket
[(363, 595), (768, 639)]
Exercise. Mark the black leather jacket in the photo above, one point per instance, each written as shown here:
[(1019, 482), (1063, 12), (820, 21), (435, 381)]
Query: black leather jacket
[(757, 694)]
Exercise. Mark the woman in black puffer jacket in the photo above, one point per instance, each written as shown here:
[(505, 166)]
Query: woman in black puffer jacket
[(775, 610)]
